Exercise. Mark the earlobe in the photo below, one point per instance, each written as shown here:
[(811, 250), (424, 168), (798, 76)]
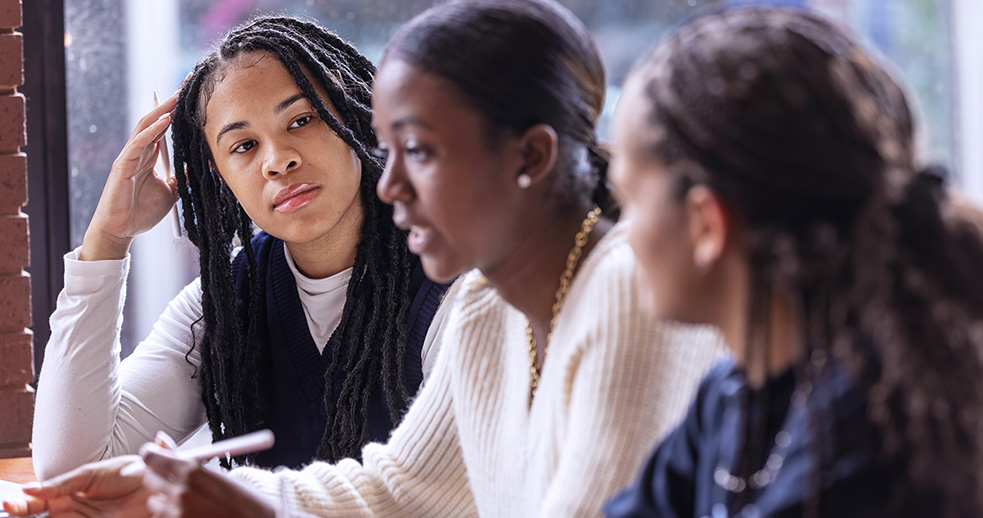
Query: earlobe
[(540, 146), (708, 227)]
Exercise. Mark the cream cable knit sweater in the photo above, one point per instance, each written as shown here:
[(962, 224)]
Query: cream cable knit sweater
[(614, 383)]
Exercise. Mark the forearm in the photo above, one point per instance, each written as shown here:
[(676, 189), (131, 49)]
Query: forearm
[(89, 405), (78, 390)]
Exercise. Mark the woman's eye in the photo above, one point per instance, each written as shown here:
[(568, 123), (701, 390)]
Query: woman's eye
[(417, 153), (245, 146), (380, 153), (303, 121)]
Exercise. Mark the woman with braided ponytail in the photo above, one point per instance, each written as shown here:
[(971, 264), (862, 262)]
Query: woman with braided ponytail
[(316, 329), (766, 163)]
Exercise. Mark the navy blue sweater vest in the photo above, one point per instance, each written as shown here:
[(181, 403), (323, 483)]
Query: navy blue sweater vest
[(295, 381)]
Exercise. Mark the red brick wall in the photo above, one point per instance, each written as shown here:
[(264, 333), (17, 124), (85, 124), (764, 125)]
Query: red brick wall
[(16, 362)]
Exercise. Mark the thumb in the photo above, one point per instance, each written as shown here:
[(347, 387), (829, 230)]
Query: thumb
[(27, 506), (64, 485), (165, 441), (172, 185)]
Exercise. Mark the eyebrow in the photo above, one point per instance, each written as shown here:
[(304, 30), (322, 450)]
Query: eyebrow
[(280, 108), (409, 120)]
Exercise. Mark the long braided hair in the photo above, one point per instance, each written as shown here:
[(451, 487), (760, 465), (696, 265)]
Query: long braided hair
[(371, 334), (798, 129)]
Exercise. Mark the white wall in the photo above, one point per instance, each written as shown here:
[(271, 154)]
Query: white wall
[(968, 54)]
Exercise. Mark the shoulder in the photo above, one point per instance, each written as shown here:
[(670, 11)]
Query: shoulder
[(472, 294), (721, 381), (605, 297), (477, 313)]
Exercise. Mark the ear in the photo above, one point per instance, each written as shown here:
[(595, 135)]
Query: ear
[(709, 226), (539, 146)]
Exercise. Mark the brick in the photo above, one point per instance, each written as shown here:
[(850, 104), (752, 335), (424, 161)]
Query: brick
[(15, 302), (16, 359), (17, 408), (11, 60), (13, 127), (15, 252), (13, 183), (11, 14)]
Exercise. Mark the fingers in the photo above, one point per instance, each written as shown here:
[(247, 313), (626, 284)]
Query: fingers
[(25, 506), (165, 464), (172, 184), (167, 106), (74, 481), (165, 441), (141, 152), (101, 477), (163, 478), (158, 506), (152, 133)]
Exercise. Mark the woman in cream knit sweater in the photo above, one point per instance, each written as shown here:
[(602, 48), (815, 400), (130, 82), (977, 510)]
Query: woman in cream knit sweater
[(552, 384)]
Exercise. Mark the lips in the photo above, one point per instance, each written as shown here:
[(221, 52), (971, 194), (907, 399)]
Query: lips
[(418, 239), (295, 196), (419, 235)]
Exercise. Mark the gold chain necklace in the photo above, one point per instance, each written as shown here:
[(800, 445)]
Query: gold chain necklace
[(572, 259)]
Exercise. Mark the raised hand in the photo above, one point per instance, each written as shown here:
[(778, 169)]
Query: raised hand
[(134, 198)]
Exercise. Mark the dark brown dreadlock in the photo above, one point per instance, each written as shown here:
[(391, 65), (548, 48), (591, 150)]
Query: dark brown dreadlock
[(800, 131), (372, 332)]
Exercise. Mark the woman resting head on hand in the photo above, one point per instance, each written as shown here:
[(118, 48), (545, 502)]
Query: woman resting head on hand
[(766, 163), (275, 131)]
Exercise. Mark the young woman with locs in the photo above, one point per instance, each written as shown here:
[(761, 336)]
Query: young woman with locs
[(317, 328)]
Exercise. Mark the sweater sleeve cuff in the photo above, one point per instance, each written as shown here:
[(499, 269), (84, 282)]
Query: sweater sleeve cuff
[(260, 480)]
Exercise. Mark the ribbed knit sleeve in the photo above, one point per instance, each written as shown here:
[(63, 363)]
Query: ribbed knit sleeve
[(419, 472)]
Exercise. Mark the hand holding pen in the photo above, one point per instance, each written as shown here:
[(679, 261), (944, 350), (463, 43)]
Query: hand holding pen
[(182, 487)]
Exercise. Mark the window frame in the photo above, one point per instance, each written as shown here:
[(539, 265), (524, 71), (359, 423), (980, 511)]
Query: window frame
[(47, 162)]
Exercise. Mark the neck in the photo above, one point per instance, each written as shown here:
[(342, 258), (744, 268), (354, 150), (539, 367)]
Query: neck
[(776, 347), (528, 279), (333, 252)]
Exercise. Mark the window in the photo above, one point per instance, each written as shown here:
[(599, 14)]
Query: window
[(118, 51)]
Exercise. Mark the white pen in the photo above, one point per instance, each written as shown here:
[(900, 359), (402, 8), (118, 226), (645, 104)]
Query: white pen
[(165, 158), (249, 443)]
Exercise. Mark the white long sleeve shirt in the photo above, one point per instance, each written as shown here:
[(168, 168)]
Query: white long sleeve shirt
[(90, 405), (614, 383)]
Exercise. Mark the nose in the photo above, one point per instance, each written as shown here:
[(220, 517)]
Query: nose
[(393, 184), (281, 158)]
